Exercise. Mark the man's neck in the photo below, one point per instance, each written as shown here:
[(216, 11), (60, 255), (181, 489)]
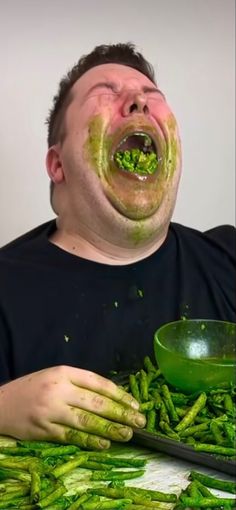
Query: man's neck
[(100, 250)]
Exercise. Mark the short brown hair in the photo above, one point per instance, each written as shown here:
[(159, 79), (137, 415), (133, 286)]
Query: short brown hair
[(121, 53)]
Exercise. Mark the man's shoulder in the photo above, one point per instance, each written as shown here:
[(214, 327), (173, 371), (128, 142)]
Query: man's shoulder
[(221, 238), (22, 242), (224, 233)]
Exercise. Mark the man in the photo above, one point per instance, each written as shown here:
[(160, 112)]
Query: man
[(83, 295)]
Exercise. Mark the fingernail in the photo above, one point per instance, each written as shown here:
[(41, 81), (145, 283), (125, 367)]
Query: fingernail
[(140, 421), (131, 402), (134, 404), (104, 444), (125, 432)]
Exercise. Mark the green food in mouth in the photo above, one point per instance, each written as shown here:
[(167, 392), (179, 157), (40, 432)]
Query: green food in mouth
[(136, 154), (136, 161)]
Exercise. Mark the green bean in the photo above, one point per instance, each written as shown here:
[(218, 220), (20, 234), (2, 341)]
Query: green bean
[(18, 450), (106, 505), (14, 474), (117, 461), (35, 485), (23, 463), (213, 483), (148, 505), (168, 430), (228, 404), (58, 451), (50, 498), (77, 504), (203, 490), (146, 406), (179, 398), (21, 491), (229, 429), (213, 448), (214, 427), (201, 502), (69, 466), (92, 465), (192, 490), (116, 475), (193, 411), (11, 486), (134, 387), (151, 420), (195, 429), (148, 365), (164, 417), (181, 412), (137, 495), (37, 445), (169, 403), (4, 505), (143, 386)]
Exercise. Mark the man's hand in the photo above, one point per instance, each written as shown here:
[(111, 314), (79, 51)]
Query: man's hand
[(68, 405)]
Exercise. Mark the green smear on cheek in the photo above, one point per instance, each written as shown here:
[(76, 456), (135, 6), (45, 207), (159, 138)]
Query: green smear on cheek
[(97, 144), (172, 153)]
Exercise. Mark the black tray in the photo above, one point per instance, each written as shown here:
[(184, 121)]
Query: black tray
[(178, 449), (183, 451)]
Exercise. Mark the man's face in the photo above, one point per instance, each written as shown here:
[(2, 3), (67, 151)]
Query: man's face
[(120, 156)]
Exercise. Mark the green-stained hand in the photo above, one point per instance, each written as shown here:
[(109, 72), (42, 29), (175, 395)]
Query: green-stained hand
[(68, 405)]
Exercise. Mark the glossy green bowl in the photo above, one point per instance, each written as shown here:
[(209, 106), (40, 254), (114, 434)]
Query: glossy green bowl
[(196, 355)]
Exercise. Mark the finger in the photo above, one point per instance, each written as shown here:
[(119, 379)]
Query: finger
[(104, 406), (98, 384), (69, 435), (88, 422)]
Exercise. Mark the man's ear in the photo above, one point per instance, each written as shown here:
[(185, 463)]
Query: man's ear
[(54, 165)]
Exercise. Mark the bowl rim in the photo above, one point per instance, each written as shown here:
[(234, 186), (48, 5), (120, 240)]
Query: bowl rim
[(179, 321)]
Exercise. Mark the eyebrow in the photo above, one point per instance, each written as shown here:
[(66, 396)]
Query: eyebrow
[(147, 90), (112, 86)]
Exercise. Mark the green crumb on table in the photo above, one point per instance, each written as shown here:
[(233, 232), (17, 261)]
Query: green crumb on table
[(140, 292), (66, 338)]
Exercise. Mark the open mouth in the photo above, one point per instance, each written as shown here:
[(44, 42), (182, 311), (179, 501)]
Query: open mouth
[(137, 154)]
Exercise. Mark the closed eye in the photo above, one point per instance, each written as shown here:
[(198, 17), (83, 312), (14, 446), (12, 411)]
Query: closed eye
[(110, 88)]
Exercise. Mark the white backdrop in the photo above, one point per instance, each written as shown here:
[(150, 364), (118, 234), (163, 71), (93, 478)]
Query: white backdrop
[(191, 45)]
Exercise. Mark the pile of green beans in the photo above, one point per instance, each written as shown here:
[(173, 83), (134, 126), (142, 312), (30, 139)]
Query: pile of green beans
[(197, 494), (33, 476), (204, 420)]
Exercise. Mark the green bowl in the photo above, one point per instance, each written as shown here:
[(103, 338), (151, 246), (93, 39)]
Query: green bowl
[(196, 355)]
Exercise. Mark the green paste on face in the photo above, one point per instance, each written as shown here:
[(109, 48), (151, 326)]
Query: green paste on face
[(140, 233), (97, 145), (173, 151), (136, 161)]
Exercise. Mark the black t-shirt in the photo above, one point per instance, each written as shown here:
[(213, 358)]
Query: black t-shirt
[(57, 308)]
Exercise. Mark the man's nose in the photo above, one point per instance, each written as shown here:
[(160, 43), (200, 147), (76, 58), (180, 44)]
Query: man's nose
[(135, 102)]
